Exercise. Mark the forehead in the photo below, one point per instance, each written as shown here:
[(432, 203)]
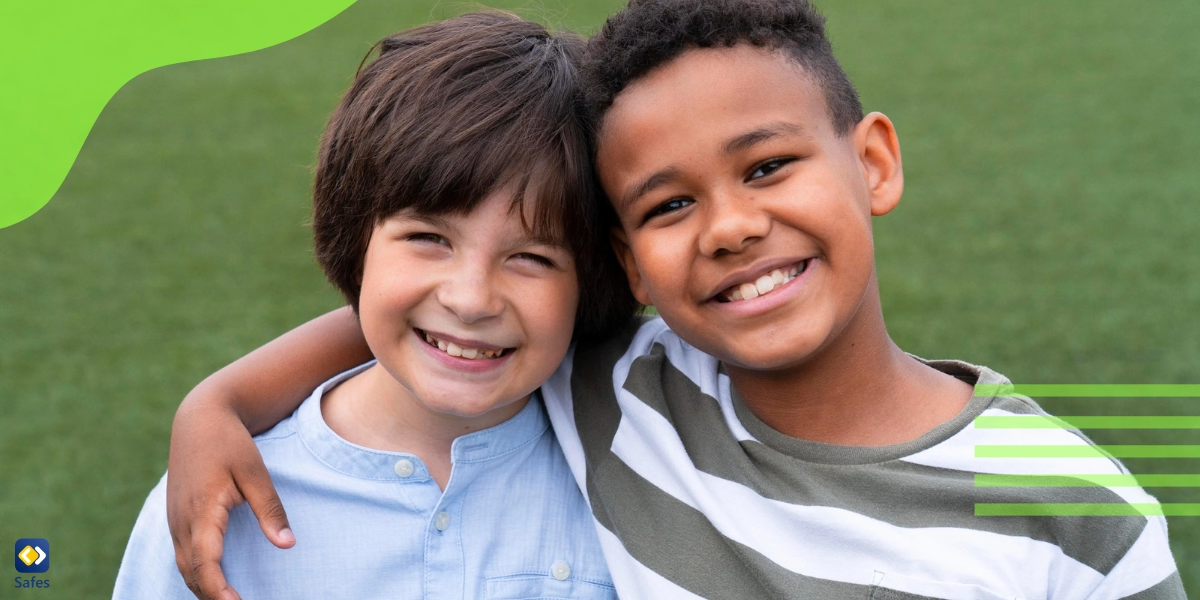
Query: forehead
[(702, 100)]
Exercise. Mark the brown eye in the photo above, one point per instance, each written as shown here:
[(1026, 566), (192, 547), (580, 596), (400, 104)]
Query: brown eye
[(766, 168), (668, 207), (431, 238), (535, 258)]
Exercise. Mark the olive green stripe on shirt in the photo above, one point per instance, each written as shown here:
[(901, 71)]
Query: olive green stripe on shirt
[(901, 493), (1170, 588)]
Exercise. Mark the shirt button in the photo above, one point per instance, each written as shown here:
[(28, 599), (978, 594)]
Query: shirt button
[(560, 571), (442, 522), (404, 467)]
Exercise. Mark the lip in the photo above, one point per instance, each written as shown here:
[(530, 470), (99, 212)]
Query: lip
[(776, 298), (468, 365), (754, 271)]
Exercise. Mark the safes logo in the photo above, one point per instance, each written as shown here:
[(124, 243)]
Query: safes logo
[(32, 555)]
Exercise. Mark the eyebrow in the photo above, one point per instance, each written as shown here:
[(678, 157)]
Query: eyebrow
[(650, 184), (770, 131)]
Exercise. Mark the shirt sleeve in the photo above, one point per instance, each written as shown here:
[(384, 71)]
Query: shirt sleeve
[(1146, 572), (148, 568)]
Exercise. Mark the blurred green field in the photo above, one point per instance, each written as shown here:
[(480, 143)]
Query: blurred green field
[(1048, 231)]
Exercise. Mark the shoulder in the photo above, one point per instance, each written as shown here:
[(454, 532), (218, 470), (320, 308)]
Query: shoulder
[(284, 433), (1008, 428), (1048, 481), (608, 350), (609, 362)]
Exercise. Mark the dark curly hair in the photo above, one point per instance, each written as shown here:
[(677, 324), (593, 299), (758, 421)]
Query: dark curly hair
[(649, 33), (446, 114)]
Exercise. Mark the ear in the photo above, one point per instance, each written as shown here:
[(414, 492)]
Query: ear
[(620, 244), (878, 150)]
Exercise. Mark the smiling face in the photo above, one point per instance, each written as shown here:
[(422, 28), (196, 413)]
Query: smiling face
[(467, 313), (746, 219)]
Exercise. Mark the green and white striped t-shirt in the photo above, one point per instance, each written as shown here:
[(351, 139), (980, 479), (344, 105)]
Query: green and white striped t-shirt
[(693, 496)]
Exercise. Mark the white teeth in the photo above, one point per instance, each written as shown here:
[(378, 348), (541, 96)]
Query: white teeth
[(764, 284), (749, 292), (455, 350)]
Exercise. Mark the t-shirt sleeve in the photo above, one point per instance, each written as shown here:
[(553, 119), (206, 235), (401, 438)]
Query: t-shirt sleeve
[(1146, 572), (1170, 588), (148, 568)]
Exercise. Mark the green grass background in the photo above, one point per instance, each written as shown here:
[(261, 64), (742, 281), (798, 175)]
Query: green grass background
[(1048, 231)]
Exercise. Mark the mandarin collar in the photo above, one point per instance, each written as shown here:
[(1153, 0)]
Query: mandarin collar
[(359, 461)]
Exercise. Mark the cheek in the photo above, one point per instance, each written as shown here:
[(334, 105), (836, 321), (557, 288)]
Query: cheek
[(388, 296), (548, 309), (855, 240), (663, 263), (381, 315)]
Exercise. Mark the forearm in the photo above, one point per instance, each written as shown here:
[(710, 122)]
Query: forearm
[(265, 386)]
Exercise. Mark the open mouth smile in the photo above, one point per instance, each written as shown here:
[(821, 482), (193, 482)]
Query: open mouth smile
[(764, 284), (459, 351)]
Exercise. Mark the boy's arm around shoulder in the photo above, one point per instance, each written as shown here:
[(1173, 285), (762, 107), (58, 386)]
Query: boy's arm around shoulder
[(214, 464)]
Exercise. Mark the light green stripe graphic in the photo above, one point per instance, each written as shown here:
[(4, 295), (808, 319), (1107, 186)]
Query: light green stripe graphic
[(993, 480), (1086, 422), (1085, 451), (1088, 390), (61, 62), (1087, 510)]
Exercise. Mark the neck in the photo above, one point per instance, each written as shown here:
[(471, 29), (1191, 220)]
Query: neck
[(859, 390), (373, 410)]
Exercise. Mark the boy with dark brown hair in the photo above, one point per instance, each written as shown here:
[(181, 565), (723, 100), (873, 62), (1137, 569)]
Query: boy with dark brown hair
[(765, 437), (450, 208)]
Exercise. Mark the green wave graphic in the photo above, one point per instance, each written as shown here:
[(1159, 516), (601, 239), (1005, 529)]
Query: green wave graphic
[(61, 62)]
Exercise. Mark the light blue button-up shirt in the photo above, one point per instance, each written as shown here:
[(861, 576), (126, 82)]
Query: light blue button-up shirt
[(372, 524)]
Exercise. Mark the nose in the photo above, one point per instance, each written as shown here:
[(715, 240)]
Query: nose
[(734, 223), (469, 290)]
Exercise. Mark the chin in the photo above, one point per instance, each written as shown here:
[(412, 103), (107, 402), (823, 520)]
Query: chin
[(454, 405), (761, 362), (775, 357)]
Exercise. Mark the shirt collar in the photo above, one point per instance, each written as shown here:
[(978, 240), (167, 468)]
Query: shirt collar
[(359, 461), (820, 452)]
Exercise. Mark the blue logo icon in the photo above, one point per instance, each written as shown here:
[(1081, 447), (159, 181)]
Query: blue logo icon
[(32, 555)]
